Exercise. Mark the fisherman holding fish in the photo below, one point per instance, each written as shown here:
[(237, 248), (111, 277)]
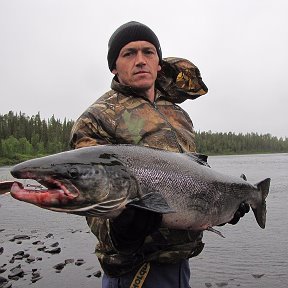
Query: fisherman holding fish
[(141, 109)]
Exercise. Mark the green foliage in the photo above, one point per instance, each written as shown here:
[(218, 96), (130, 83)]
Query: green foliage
[(23, 137), (230, 143)]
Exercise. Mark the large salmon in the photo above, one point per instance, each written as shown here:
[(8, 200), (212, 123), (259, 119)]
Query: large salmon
[(102, 180)]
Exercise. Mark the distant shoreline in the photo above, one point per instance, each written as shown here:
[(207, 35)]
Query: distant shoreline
[(4, 162)]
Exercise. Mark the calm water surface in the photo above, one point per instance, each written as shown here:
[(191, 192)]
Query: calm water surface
[(247, 257)]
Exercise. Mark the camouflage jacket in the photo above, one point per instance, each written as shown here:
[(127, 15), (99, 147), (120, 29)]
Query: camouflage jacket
[(120, 116)]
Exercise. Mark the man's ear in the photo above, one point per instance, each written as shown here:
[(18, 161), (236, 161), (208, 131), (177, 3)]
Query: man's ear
[(114, 71), (159, 68)]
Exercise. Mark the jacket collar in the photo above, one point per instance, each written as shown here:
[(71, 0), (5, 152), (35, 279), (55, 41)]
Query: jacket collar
[(178, 80)]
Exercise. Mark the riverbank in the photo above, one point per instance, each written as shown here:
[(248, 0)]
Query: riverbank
[(54, 242)]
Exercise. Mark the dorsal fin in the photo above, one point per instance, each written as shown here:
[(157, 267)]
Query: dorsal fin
[(199, 158)]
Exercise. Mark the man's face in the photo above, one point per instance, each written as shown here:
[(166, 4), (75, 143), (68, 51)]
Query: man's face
[(137, 65)]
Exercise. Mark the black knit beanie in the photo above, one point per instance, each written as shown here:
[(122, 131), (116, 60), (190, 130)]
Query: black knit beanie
[(129, 32)]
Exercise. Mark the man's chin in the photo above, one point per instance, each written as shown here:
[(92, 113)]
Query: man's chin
[(142, 86)]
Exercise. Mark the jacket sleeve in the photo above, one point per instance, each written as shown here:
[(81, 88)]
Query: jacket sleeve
[(94, 127)]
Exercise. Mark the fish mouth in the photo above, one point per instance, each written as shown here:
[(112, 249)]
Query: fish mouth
[(47, 193), (61, 196)]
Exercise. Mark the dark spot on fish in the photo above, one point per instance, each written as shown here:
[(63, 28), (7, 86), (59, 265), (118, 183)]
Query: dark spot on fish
[(105, 156)]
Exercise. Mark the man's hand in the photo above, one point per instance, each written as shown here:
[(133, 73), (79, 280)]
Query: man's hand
[(130, 228), (242, 210)]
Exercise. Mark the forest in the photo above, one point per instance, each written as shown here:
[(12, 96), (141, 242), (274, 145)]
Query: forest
[(24, 137)]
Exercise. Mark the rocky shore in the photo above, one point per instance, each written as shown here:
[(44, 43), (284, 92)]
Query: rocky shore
[(42, 260)]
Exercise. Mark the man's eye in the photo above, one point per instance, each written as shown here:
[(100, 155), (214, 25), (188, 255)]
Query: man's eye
[(127, 54), (149, 52)]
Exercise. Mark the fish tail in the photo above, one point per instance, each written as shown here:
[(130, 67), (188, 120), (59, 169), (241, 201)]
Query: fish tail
[(260, 209)]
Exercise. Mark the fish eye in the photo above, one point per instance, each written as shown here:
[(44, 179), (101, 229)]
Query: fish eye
[(73, 172)]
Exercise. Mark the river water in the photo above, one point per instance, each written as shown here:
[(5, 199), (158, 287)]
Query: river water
[(247, 257)]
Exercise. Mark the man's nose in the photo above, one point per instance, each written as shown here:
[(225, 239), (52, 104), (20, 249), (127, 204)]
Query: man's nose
[(140, 59)]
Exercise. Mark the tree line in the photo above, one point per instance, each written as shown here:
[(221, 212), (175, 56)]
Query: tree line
[(23, 137), (230, 143)]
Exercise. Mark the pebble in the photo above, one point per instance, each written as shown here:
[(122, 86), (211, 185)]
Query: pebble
[(19, 253), (42, 248), (38, 243), (2, 280), (257, 276), (97, 274), (49, 235), (79, 262), (16, 273), (53, 250), (4, 283), (56, 244), (69, 261), (19, 237), (30, 259), (35, 277), (59, 266)]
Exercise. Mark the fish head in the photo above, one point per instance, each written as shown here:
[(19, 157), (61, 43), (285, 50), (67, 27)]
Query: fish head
[(79, 181)]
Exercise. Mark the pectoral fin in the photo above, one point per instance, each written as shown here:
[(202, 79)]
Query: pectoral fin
[(152, 202)]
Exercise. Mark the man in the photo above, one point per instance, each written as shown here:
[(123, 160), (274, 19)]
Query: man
[(141, 109)]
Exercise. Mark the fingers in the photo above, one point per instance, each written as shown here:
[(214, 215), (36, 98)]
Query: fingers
[(242, 210)]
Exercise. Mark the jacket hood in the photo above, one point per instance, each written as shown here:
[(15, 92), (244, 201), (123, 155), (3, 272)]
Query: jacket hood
[(178, 80)]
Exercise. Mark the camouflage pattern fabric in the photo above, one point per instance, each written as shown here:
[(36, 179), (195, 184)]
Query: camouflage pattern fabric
[(121, 116)]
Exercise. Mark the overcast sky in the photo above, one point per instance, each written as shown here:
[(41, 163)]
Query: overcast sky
[(53, 56)]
